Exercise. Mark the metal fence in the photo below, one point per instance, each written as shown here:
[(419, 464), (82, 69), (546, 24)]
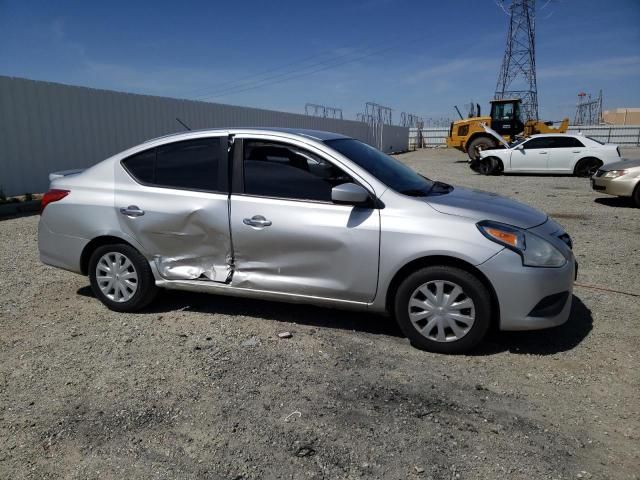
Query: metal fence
[(46, 127), (620, 134), (428, 137)]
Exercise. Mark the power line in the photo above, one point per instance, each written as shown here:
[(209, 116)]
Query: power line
[(284, 77), (261, 73)]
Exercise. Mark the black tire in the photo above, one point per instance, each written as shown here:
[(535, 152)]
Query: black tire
[(471, 287), (477, 144), (586, 167), (145, 290), (636, 195), (489, 166)]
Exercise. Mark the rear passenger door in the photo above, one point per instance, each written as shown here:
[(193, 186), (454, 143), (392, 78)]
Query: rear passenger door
[(288, 236), (565, 152), (173, 199)]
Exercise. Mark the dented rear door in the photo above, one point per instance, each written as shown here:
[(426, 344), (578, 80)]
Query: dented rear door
[(173, 199)]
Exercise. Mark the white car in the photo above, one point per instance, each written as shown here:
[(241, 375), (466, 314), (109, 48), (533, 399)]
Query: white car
[(548, 153)]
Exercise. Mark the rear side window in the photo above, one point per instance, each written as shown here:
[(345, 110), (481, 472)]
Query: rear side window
[(567, 142), (190, 165), (141, 165)]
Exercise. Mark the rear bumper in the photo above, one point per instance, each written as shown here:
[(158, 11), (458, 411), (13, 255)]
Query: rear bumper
[(58, 250), (530, 298)]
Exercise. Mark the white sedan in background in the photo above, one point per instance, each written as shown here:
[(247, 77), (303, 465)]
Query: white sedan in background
[(548, 153)]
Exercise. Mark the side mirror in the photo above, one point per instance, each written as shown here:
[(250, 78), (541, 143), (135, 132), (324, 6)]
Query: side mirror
[(349, 194), (520, 147)]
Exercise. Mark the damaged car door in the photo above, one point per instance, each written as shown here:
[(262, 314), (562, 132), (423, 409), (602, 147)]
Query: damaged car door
[(173, 199), (288, 235)]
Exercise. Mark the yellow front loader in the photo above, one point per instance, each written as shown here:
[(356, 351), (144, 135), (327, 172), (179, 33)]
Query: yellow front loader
[(468, 135)]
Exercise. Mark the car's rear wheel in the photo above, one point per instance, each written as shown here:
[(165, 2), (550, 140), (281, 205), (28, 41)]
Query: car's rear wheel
[(121, 278), (477, 145), (587, 167), (443, 309), (636, 195)]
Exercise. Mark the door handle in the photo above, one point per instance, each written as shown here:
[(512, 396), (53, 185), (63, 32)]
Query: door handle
[(257, 221), (576, 151), (132, 211), (542, 153)]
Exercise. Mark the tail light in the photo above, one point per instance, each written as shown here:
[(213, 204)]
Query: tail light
[(51, 196)]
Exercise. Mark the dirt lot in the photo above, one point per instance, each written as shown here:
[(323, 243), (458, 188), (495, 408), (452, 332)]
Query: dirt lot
[(200, 386)]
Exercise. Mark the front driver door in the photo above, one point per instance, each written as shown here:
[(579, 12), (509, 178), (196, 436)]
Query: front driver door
[(288, 236), (531, 156)]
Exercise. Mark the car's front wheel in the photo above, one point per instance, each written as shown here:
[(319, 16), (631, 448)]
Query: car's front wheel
[(121, 278), (443, 309), (478, 144)]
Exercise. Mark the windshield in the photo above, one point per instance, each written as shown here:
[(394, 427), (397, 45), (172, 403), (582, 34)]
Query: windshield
[(389, 171)]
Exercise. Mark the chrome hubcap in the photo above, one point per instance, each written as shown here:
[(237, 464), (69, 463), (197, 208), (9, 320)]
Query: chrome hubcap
[(441, 311), (116, 277)]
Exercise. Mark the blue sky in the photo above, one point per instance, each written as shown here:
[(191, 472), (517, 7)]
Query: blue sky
[(416, 56)]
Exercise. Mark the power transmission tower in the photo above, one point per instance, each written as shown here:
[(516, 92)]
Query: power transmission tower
[(377, 116), (411, 120), (517, 77), (315, 110), (588, 110)]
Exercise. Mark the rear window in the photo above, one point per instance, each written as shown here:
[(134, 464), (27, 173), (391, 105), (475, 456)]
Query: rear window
[(594, 140), (189, 165)]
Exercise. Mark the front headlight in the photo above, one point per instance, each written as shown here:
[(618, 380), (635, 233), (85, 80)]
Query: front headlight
[(615, 173), (534, 250)]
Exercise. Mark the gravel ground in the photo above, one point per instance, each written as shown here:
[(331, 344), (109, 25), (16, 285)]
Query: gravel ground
[(200, 386)]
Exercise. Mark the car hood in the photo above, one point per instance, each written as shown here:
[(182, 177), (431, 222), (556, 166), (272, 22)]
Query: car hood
[(621, 165), (479, 205)]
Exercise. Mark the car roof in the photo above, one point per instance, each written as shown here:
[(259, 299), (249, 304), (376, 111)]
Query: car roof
[(319, 135), (542, 135)]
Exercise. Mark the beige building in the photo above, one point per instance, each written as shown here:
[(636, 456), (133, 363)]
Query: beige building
[(622, 116)]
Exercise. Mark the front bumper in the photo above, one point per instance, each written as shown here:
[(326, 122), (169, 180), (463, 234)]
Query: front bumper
[(530, 298), (620, 186)]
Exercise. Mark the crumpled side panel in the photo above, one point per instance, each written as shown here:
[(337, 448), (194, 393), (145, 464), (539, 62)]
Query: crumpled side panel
[(192, 268)]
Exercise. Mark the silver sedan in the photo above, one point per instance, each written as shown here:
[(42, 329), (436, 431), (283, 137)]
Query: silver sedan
[(621, 179), (307, 216)]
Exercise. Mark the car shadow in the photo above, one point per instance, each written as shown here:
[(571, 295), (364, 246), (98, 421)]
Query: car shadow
[(540, 342), (550, 174), (174, 300), (624, 202)]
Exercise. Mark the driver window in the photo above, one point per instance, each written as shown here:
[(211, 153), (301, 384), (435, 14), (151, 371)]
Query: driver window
[(279, 170)]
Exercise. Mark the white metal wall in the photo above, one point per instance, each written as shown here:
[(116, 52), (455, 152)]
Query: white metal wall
[(619, 134), (45, 127)]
